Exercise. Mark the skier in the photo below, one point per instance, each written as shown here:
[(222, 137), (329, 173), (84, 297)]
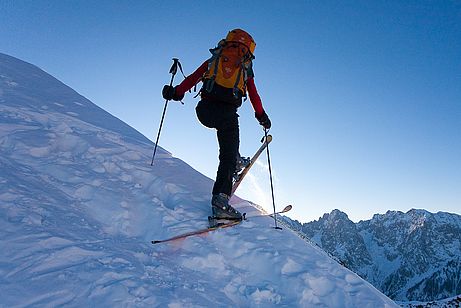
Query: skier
[(227, 76)]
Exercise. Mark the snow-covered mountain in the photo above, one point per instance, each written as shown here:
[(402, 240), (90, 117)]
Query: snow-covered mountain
[(408, 256), (80, 203)]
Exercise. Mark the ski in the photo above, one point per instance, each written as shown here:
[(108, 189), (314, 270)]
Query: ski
[(215, 224), (239, 178), (220, 225)]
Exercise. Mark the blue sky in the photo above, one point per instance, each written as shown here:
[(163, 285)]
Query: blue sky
[(364, 96)]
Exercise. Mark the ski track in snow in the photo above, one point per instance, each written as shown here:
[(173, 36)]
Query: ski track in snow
[(80, 203)]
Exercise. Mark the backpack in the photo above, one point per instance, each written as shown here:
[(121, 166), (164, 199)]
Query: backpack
[(229, 67)]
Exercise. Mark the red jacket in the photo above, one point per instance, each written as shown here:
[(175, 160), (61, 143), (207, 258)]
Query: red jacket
[(196, 76)]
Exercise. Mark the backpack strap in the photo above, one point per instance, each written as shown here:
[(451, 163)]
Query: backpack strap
[(247, 65), (247, 73), (216, 54), (237, 80)]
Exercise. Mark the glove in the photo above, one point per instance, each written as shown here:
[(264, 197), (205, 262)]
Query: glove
[(264, 120), (169, 93)]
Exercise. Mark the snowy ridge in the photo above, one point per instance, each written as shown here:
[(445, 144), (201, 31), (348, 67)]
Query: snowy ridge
[(79, 204)]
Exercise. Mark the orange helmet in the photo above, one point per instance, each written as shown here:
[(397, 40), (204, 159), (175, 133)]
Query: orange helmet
[(242, 37)]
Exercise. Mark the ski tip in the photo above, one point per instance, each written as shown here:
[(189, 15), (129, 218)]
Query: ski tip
[(156, 242), (287, 208)]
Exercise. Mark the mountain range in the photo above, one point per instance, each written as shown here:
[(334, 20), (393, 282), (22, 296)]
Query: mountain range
[(413, 256)]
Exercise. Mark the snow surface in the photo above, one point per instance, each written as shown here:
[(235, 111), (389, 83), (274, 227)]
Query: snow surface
[(80, 203)]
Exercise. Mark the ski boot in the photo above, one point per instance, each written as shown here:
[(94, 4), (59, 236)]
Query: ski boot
[(221, 208)]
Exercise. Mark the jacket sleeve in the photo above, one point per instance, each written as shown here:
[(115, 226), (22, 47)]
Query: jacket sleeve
[(254, 97), (192, 79)]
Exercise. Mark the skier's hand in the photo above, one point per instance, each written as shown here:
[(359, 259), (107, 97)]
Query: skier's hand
[(169, 93), (264, 120)]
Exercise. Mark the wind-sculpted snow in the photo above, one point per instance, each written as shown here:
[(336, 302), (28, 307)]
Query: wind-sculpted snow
[(80, 203)]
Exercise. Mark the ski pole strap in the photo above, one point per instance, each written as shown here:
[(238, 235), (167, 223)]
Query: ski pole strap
[(180, 68)]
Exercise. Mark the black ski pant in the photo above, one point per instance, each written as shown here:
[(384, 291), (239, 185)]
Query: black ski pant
[(224, 118)]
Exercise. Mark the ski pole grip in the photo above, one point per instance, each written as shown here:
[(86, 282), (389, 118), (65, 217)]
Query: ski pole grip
[(174, 67)]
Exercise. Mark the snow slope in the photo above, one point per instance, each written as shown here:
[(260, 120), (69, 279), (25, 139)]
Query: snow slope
[(79, 204)]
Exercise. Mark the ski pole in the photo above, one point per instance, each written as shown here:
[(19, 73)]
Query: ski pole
[(270, 175), (173, 70)]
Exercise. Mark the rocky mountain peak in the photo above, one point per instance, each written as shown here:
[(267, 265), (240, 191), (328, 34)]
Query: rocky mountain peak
[(409, 256)]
